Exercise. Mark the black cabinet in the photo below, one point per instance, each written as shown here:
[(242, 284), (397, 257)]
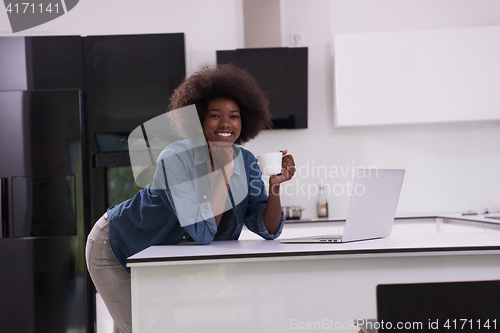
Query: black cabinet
[(129, 78), (58, 96), (38, 63), (281, 73), (54, 62)]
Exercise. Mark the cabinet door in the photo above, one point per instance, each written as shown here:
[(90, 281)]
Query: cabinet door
[(281, 73), (54, 62), (426, 76), (129, 78), (36, 63)]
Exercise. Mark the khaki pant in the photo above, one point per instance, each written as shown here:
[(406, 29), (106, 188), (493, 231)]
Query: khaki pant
[(111, 280)]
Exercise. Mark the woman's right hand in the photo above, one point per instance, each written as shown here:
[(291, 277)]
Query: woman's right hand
[(221, 154)]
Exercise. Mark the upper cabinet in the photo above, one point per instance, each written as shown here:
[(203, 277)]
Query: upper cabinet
[(417, 76), (39, 63), (129, 78), (281, 73), (54, 62)]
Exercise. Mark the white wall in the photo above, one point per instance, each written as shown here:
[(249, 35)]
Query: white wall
[(450, 167), (208, 25)]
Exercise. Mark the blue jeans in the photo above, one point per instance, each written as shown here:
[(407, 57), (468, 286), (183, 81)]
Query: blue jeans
[(111, 280)]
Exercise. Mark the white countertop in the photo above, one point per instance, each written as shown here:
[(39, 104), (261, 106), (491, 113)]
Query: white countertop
[(259, 250)]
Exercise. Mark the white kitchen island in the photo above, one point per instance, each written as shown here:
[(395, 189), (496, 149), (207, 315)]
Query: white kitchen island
[(264, 286)]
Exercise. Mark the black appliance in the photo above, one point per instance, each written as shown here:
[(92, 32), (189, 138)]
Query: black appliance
[(42, 267), (128, 80), (59, 95), (281, 72)]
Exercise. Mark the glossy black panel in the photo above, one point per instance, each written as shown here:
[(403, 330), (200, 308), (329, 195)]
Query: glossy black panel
[(282, 74), (40, 133), (41, 286), (48, 62), (12, 64), (470, 306), (4, 203), (129, 78), (11, 133), (16, 286), (44, 206), (54, 62)]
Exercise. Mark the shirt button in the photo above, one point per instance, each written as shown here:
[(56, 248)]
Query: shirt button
[(204, 197), (183, 237)]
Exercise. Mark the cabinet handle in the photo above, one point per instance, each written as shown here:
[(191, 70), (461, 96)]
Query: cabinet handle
[(3, 208)]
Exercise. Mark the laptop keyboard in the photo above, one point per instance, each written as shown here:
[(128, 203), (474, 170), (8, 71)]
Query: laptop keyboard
[(336, 238)]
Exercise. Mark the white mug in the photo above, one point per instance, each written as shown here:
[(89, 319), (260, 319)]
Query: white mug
[(270, 163)]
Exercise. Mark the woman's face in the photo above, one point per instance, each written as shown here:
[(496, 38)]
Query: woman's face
[(222, 121)]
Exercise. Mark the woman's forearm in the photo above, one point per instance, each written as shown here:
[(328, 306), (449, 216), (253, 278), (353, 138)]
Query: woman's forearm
[(272, 213)]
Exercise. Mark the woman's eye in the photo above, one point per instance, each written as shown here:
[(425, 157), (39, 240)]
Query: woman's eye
[(213, 115)]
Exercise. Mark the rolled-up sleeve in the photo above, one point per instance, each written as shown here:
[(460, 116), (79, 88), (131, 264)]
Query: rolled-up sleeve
[(262, 229)]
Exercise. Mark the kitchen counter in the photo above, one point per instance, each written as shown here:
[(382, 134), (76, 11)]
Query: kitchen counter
[(266, 286), (262, 250)]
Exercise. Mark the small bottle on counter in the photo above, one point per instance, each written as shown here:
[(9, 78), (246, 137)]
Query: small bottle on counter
[(322, 204)]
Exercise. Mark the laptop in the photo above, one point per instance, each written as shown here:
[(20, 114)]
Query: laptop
[(372, 209)]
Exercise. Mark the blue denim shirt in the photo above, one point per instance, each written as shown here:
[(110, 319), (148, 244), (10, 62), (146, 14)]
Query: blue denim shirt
[(156, 217)]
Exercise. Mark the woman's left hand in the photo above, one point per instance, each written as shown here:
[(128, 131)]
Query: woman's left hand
[(287, 169)]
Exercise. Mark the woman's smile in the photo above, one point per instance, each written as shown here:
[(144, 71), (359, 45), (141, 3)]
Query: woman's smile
[(225, 134)]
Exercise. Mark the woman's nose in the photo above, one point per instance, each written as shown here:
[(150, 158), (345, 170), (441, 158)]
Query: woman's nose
[(224, 122)]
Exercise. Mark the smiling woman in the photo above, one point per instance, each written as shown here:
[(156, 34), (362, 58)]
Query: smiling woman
[(205, 187)]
